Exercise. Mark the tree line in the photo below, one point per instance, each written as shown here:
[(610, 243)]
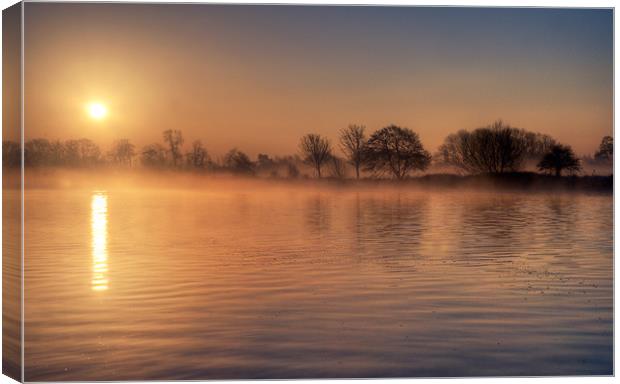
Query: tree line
[(391, 151)]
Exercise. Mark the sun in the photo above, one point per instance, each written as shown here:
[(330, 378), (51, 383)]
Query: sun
[(97, 110)]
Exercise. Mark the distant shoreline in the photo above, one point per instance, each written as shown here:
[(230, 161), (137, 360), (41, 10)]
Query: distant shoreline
[(517, 181), (524, 181), (41, 178)]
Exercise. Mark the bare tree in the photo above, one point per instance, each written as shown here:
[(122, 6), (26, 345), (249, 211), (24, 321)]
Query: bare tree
[(198, 157), (38, 152), (560, 158), (352, 140), (57, 152), (315, 150), (153, 155), (537, 144), (338, 167), (122, 152), (82, 152), (174, 139), (395, 150)]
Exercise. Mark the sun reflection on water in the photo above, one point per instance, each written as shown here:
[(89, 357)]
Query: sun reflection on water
[(99, 234)]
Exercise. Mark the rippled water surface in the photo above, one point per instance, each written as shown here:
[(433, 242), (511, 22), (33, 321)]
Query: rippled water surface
[(315, 283)]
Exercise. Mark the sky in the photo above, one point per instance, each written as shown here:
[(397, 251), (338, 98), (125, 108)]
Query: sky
[(258, 77)]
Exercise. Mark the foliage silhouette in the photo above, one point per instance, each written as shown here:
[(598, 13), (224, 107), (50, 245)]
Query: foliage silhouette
[(292, 171), (238, 162), (154, 156), (264, 162), (71, 153), (605, 150), (11, 154), (497, 149), (82, 152), (559, 158), (395, 150)]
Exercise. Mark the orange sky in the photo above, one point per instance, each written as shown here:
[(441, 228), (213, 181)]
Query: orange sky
[(259, 77)]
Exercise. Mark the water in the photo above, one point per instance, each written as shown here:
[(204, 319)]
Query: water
[(294, 283)]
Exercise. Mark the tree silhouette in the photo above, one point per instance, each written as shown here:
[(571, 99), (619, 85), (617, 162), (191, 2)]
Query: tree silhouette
[(154, 155), (559, 158), (38, 152), (536, 144), (605, 150), (174, 139), (315, 150), (352, 140), (337, 167), (11, 154), (264, 161), (122, 152), (496, 148), (72, 153), (238, 162), (292, 172), (81, 152), (198, 157), (395, 150)]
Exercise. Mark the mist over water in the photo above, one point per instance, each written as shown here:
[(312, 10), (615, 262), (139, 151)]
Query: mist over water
[(243, 192), (197, 278)]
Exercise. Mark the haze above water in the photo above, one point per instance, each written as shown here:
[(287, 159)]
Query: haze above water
[(290, 282)]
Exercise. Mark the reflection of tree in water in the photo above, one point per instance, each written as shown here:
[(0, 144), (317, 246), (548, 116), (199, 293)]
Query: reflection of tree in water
[(389, 230), (492, 230), (318, 215), (557, 230), (557, 219), (513, 229), (357, 227)]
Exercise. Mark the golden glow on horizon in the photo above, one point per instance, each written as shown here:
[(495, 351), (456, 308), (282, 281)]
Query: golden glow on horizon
[(97, 111), (139, 79), (99, 233)]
